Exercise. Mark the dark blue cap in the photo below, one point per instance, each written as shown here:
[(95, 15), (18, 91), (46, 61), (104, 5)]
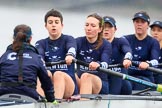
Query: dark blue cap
[(110, 20), (156, 23), (142, 15)]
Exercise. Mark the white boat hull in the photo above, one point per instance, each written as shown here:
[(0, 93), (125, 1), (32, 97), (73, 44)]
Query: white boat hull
[(129, 102)]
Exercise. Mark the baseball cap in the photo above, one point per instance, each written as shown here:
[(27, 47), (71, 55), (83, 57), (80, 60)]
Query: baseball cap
[(142, 15), (156, 23), (110, 20)]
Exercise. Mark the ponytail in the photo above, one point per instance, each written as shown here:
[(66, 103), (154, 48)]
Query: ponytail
[(18, 41), (22, 34)]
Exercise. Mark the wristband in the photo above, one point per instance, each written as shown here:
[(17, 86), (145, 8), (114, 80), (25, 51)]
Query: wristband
[(128, 56), (71, 54)]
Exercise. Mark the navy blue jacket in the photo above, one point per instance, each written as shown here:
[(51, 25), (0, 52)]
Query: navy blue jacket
[(32, 67)]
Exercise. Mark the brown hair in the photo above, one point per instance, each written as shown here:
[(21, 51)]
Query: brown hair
[(99, 39), (22, 34), (53, 13)]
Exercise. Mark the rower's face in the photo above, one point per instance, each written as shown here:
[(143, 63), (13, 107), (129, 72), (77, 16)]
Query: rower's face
[(92, 28), (156, 32), (54, 26), (108, 31), (141, 26)]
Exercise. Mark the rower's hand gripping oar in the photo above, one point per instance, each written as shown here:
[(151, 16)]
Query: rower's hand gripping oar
[(158, 87), (64, 62), (152, 69)]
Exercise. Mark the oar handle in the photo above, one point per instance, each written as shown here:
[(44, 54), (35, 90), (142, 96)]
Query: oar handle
[(115, 65), (111, 72), (155, 70), (54, 63), (80, 62), (152, 69), (159, 65), (136, 64), (86, 64)]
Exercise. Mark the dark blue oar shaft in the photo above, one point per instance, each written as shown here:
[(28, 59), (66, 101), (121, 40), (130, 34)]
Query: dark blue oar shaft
[(115, 65), (159, 65), (128, 77), (124, 76), (54, 63), (63, 62), (152, 69)]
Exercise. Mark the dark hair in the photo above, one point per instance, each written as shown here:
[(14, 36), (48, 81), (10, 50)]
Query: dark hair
[(22, 34), (100, 36), (53, 13)]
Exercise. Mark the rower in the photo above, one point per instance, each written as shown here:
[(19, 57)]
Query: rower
[(20, 66)]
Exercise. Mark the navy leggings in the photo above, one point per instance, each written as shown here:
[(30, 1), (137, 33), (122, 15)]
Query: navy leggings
[(118, 86)]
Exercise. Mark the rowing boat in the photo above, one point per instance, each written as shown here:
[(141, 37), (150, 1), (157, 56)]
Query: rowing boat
[(151, 99)]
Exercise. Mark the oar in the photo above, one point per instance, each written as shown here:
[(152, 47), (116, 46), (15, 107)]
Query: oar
[(158, 87), (63, 62), (152, 69), (54, 63), (115, 65), (159, 65)]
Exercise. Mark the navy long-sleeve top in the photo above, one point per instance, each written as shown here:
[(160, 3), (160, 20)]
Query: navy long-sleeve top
[(160, 57), (86, 52), (56, 50), (143, 50), (120, 47)]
